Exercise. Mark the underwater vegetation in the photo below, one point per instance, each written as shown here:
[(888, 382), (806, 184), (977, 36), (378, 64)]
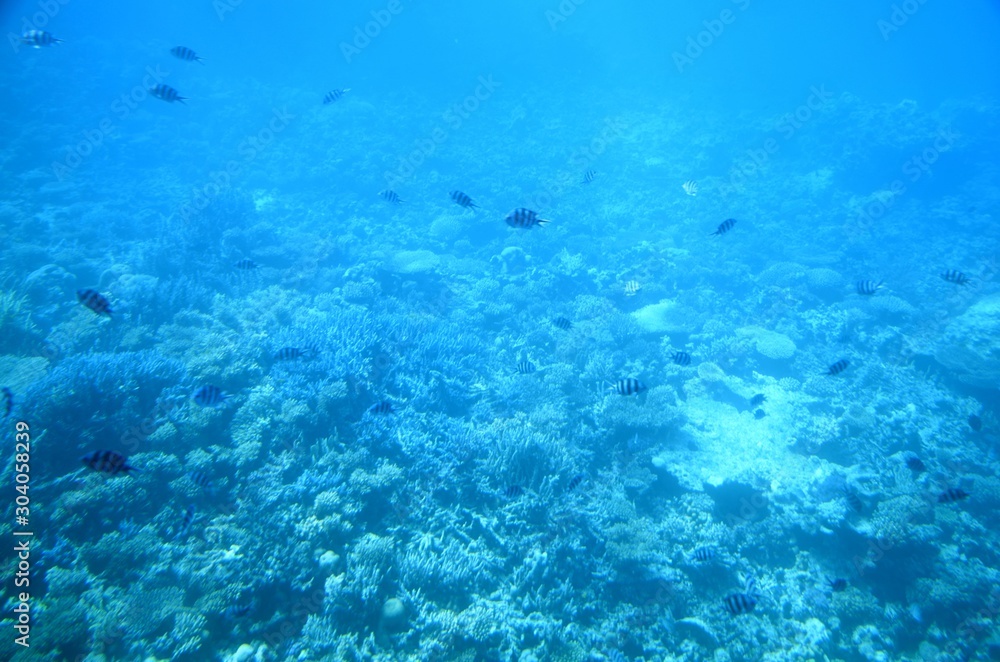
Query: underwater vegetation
[(422, 422)]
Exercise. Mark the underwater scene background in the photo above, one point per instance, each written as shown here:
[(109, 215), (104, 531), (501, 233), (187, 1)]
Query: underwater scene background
[(527, 330)]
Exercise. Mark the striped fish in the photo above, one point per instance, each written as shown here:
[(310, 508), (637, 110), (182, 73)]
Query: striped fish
[(632, 288), (681, 358), (390, 196), (724, 227), (690, 187), (39, 38), (868, 287), (107, 462), (838, 367), (703, 554), (740, 603), (8, 401), (200, 479), (462, 200), (627, 386), (290, 353), (526, 367), (524, 218), (957, 277), (574, 482), (589, 176), (563, 323), (246, 264), (234, 612), (384, 407), (186, 54), (166, 93), (186, 521), (95, 301), (210, 396), (334, 95), (852, 499), (953, 494)]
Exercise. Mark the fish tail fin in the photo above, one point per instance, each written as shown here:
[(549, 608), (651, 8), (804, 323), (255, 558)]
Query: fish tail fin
[(543, 221)]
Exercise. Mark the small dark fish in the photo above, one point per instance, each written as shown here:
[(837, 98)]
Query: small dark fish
[(563, 323), (838, 367), (166, 93), (758, 400), (759, 414), (868, 287), (290, 353), (975, 422), (462, 200), (724, 227), (7, 398), (740, 603), (513, 491), (246, 264), (210, 396), (953, 494), (108, 462), (390, 196), (39, 38), (526, 367), (837, 584), (703, 554), (186, 54), (200, 479), (915, 464), (852, 499), (627, 386), (384, 407), (186, 520), (524, 218), (574, 482), (235, 612), (334, 95), (957, 277), (95, 301), (681, 358), (589, 176)]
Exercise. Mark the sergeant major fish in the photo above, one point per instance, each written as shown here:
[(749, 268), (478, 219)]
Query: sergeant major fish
[(95, 301), (210, 396), (186, 54), (462, 200), (334, 95), (524, 218), (39, 38), (108, 462), (166, 93)]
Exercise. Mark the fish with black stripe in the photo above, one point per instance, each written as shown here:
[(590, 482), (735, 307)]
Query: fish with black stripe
[(166, 93), (186, 519), (838, 367), (681, 358), (107, 462), (95, 301), (868, 287), (334, 95), (852, 499), (589, 176), (7, 398), (627, 386), (462, 200), (246, 264), (526, 367), (524, 218), (39, 38), (703, 554), (724, 227), (390, 196), (956, 277), (200, 479), (210, 396), (953, 494), (292, 353), (574, 482), (562, 323), (186, 54), (745, 602), (381, 408)]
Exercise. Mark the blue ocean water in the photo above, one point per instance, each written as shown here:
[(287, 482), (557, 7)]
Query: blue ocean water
[(518, 331)]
